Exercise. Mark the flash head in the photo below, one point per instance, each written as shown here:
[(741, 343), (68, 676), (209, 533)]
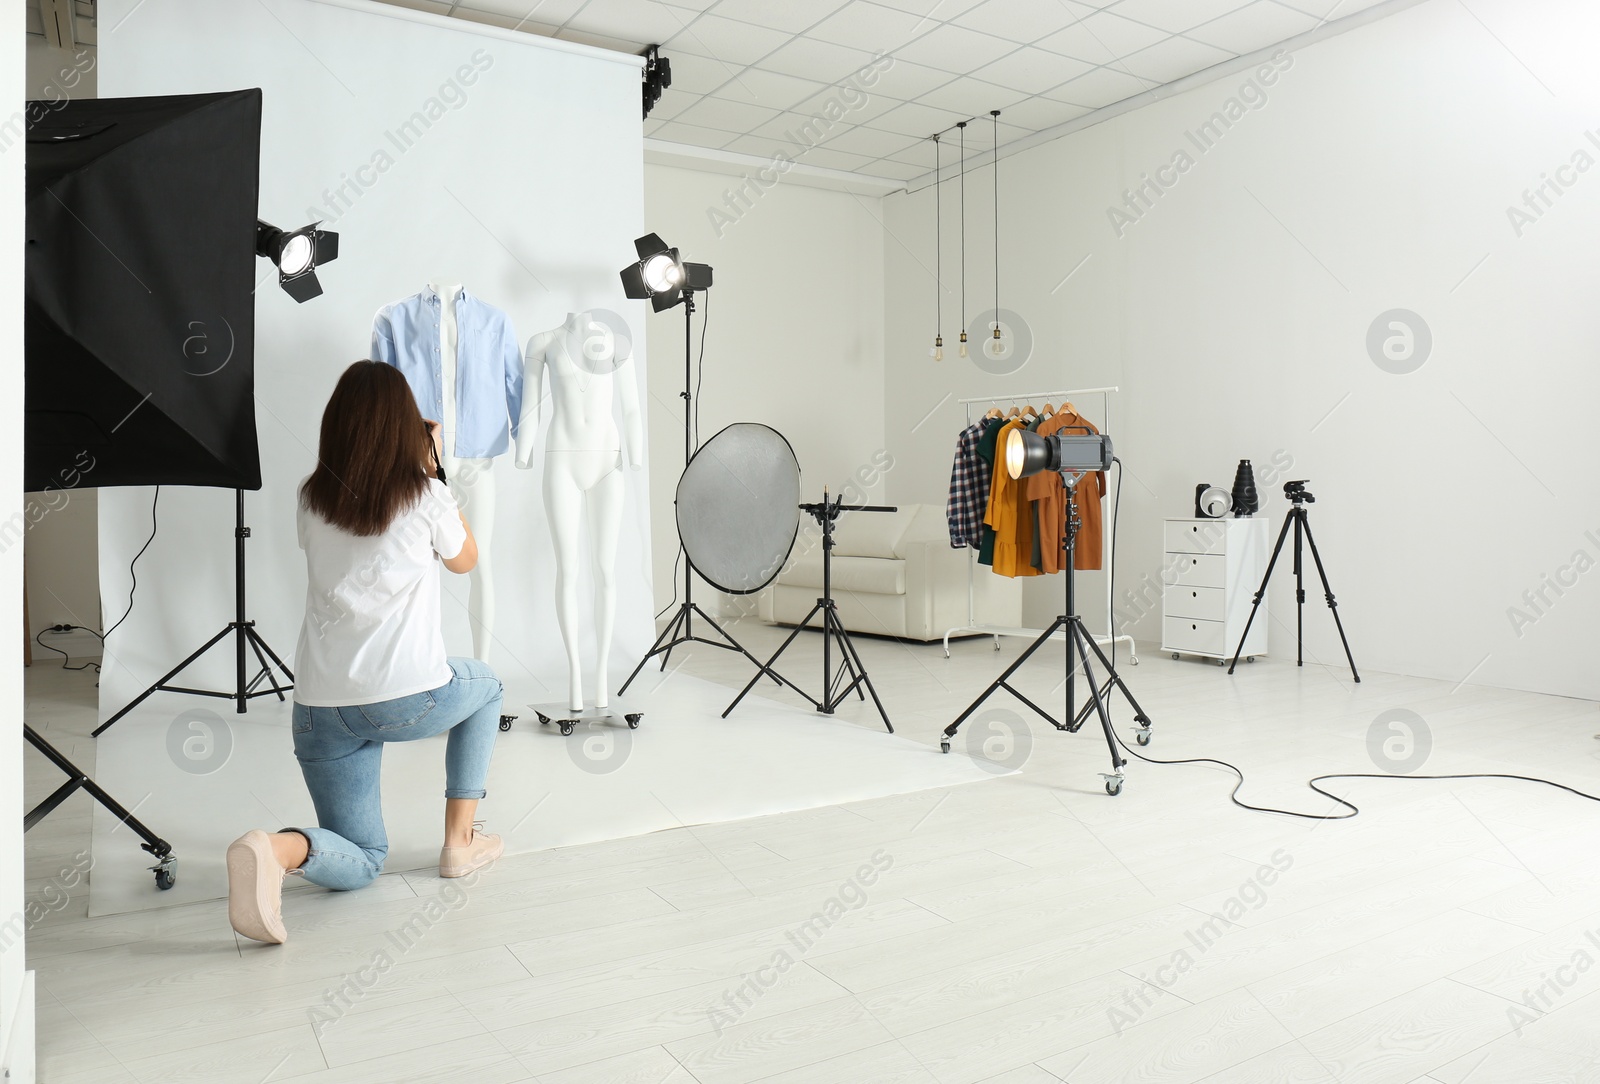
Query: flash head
[(1070, 453)]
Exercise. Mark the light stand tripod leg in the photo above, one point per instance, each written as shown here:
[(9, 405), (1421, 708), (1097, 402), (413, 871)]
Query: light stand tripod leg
[(160, 682), (1001, 682), (766, 667), (858, 671), (266, 671), (1299, 600), (1114, 780), (1333, 607), (1261, 592), (667, 633), (1114, 678)]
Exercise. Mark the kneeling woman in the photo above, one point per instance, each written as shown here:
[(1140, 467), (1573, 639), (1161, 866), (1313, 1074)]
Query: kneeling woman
[(370, 667)]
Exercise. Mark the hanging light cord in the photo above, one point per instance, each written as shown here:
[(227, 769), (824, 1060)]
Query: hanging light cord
[(938, 249), (963, 127), (995, 113)]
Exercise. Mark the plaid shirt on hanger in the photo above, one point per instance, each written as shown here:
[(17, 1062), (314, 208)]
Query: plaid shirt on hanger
[(969, 490)]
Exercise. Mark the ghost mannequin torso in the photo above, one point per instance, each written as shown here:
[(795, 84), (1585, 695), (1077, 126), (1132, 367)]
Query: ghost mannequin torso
[(583, 478), (471, 480)]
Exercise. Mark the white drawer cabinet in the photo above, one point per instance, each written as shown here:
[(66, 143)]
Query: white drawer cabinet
[(1211, 570)]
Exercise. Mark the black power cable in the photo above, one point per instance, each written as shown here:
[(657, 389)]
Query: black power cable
[(131, 574), (65, 658), (1233, 796)]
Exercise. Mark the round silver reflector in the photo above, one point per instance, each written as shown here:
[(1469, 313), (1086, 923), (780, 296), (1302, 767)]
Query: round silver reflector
[(739, 507)]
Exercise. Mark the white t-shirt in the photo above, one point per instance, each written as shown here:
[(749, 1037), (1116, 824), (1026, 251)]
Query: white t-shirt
[(372, 628)]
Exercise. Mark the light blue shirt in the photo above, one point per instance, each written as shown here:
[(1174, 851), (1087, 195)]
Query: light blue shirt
[(405, 334)]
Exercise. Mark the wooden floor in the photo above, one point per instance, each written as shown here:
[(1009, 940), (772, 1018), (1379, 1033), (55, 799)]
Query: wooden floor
[(1027, 930)]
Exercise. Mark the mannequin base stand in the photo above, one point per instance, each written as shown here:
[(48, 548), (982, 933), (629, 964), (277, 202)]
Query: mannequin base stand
[(1299, 517), (243, 632), (569, 720), (851, 677), (165, 868), (1080, 645)]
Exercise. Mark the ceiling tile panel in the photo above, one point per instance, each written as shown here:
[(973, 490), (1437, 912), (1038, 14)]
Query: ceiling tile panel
[(1100, 37), (641, 21), (736, 117), (1032, 70), (1021, 21), (1173, 59), (1176, 16), (1262, 24), (872, 27), (770, 89), (791, 16), (728, 40), (1100, 87), (955, 49), (819, 60)]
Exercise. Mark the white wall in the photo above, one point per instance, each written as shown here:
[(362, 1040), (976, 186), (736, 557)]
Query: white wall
[(16, 983), (796, 333), (62, 540), (1234, 313), (526, 186)]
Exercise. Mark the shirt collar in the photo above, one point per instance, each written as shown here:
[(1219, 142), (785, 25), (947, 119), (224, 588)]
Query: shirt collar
[(433, 295)]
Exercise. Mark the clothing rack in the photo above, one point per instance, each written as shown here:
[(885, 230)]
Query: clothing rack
[(997, 631)]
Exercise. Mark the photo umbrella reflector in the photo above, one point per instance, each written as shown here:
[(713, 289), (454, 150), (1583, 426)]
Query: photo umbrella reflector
[(738, 515), (738, 507)]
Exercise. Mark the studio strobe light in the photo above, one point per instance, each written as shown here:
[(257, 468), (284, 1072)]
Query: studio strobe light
[(297, 255), (1072, 455), (662, 277)]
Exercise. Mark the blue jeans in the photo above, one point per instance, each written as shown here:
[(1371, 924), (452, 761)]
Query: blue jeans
[(341, 755)]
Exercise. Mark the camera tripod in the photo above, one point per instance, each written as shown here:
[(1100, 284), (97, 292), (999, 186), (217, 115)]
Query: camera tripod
[(1080, 646), (834, 687), (1298, 516)]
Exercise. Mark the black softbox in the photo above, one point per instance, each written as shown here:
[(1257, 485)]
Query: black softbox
[(140, 307)]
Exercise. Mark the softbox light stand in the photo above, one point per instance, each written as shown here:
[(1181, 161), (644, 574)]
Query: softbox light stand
[(681, 630), (139, 314), (1080, 646), (244, 634)]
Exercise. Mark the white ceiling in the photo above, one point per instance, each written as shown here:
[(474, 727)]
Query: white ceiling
[(747, 72)]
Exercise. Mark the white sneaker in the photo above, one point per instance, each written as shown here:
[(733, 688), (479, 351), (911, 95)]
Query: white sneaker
[(255, 888), (460, 861)]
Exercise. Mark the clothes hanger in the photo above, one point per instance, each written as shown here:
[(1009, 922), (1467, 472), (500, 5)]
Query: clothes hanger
[(1015, 411), (1049, 410)]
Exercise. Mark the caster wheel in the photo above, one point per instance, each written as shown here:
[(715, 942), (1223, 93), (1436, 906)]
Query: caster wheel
[(1250, 658), (1220, 662), (944, 747), (1133, 660), (165, 878), (505, 724), (1174, 654), (1113, 787), (543, 718), (633, 720), (1143, 737), (567, 726)]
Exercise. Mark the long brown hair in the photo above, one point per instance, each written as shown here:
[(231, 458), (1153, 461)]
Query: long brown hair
[(371, 451)]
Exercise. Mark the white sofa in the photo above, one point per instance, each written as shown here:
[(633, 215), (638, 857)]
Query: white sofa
[(894, 574)]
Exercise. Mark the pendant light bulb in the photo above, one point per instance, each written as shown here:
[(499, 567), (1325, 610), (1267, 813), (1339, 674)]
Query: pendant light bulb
[(963, 344), (938, 348)]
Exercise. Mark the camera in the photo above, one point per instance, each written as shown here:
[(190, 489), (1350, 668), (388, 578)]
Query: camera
[(1296, 492)]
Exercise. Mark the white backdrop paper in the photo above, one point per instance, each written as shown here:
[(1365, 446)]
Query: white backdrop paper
[(438, 151)]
